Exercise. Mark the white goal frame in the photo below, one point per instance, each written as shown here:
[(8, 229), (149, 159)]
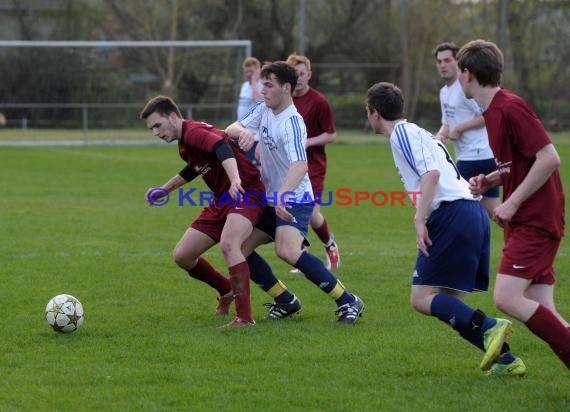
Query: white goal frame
[(246, 44)]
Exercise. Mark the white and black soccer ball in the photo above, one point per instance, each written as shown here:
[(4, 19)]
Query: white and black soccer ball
[(64, 313)]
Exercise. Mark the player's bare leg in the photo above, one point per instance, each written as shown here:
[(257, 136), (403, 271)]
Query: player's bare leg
[(320, 227), (511, 298), (187, 254), (544, 294)]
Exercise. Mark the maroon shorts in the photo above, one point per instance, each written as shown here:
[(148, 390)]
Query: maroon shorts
[(529, 254), (212, 219), (318, 184)]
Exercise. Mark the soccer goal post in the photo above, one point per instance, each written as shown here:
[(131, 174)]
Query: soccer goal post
[(89, 91)]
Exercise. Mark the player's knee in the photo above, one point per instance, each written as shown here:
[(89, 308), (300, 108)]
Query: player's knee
[(182, 258), (286, 254), (504, 301), (177, 256), (228, 248), (419, 304)]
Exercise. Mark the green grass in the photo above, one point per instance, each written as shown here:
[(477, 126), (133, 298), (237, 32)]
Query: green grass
[(73, 220)]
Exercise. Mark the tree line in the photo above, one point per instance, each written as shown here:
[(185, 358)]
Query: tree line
[(352, 44)]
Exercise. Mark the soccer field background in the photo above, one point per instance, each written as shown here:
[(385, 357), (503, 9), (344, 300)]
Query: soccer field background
[(74, 220)]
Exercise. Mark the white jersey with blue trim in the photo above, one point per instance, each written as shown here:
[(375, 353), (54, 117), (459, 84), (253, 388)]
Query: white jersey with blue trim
[(417, 152), (473, 144), (282, 141)]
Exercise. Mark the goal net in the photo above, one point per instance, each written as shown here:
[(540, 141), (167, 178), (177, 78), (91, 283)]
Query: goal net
[(88, 92)]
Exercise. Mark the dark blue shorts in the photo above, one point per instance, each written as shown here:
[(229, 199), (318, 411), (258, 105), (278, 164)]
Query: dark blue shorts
[(470, 168), (302, 212), (251, 155), (459, 255)]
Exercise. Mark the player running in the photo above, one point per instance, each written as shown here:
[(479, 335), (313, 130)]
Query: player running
[(318, 116), (532, 213), (210, 153), (452, 233), (289, 195)]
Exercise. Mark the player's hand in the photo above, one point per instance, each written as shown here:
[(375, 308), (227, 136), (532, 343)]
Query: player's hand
[(478, 185), (281, 209), (504, 213), (154, 195), (439, 137), (235, 188), (454, 134), (245, 140), (422, 238), (283, 213)]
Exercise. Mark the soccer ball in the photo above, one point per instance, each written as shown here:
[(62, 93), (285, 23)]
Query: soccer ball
[(64, 313)]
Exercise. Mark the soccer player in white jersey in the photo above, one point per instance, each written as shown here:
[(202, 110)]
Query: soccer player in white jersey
[(452, 232), (462, 122), (250, 92), (289, 197)]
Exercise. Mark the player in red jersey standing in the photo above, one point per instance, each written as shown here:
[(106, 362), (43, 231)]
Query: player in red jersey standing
[(532, 213), (235, 209), (319, 120)]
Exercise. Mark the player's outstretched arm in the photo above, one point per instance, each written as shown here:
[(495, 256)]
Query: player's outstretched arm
[(155, 193), (241, 134)]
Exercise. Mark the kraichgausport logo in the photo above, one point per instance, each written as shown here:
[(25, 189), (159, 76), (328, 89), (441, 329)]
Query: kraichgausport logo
[(341, 197)]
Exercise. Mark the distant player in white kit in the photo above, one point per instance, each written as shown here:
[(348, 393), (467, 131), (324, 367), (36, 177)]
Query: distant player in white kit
[(289, 195), (452, 232), (462, 122), (249, 94)]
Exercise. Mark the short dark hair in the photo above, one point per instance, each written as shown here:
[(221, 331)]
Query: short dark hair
[(446, 46), (387, 99), (284, 73), (484, 60), (162, 105)]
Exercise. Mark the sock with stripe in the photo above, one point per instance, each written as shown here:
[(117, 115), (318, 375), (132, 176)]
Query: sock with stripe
[(314, 270), (263, 276)]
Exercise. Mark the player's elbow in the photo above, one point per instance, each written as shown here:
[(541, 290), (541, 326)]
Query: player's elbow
[(555, 161), (301, 166), (549, 157), (233, 129), (432, 176)]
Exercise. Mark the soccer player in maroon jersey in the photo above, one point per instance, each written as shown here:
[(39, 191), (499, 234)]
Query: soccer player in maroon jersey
[(229, 219), (532, 213), (319, 120)]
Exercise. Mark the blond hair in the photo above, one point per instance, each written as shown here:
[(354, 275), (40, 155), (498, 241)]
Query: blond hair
[(251, 61), (295, 59)]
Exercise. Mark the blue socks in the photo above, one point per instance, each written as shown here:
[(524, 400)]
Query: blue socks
[(262, 274), (455, 312), (315, 271), (470, 323)]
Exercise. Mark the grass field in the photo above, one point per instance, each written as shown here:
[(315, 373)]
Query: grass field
[(73, 220)]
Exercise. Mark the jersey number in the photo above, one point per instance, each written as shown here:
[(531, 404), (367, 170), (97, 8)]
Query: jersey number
[(448, 158)]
